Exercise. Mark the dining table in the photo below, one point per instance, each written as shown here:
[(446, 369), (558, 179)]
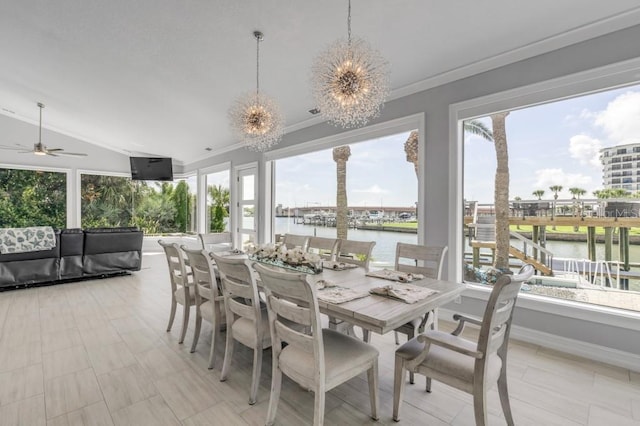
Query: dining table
[(377, 313), (372, 312)]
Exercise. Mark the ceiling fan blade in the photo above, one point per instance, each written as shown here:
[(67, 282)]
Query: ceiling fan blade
[(13, 147), (25, 152), (70, 154), (54, 149)]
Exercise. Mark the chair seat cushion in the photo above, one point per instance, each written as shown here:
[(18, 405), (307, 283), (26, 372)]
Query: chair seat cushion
[(244, 331), (342, 353), (179, 294), (447, 365)]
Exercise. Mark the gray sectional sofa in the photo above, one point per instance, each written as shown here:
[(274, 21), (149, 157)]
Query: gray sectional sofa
[(78, 254)]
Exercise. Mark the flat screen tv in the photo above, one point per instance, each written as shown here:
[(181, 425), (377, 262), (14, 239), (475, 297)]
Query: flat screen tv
[(151, 168)]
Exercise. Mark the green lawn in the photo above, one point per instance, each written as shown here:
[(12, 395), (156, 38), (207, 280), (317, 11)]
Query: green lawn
[(568, 229)]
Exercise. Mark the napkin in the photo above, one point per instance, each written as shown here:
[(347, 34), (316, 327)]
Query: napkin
[(340, 294), (407, 293)]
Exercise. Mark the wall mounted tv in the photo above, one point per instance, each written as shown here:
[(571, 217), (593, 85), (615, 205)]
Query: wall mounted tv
[(151, 168)]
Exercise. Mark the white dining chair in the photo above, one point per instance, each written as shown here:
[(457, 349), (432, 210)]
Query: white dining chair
[(209, 300), (471, 366), (247, 323), (318, 360), (292, 241), (327, 248), (182, 290)]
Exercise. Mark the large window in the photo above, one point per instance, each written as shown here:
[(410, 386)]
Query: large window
[(154, 207), (380, 185), (218, 199), (568, 215), (32, 198)]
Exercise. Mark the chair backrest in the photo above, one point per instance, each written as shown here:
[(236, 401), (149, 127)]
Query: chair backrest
[(203, 274), (292, 297), (424, 260), (356, 252), (240, 290), (177, 267), (327, 248), (218, 241), (292, 240), (496, 322)]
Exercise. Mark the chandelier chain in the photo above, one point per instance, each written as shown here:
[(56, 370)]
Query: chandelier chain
[(257, 65), (349, 23)]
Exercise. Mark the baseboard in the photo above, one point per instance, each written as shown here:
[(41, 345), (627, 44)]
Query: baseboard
[(571, 346)]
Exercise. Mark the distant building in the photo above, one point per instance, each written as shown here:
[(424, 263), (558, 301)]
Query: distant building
[(621, 167)]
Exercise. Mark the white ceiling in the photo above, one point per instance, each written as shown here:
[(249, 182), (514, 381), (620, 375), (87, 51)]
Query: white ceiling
[(157, 76)]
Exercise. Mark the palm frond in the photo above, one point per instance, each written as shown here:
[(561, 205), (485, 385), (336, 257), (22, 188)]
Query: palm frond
[(478, 128)]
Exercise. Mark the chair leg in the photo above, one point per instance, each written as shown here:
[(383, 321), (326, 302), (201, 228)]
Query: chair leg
[(399, 374), (185, 323), (372, 376), (228, 355), (276, 384), (410, 335), (318, 407), (480, 405), (255, 378), (397, 336), (212, 350), (172, 315), (428, 386), (196, 332), (504, 396)]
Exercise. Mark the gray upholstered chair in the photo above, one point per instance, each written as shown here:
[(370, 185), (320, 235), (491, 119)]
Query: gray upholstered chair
[(209, 300), (318, 360), (327, 248), (217, 241), (356, 252), (182, 291), (292, 240), (466, 365), (246, 321)]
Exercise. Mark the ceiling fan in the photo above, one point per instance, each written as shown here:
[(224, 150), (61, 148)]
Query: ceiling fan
[(39, 148)]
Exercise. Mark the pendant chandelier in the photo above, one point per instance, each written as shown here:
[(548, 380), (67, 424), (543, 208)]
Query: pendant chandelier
[(350, 81), (255, 118)]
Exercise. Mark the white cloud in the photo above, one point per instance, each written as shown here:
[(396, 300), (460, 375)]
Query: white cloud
[(585, 149), (621, 119), (548, 177), (374, 189)]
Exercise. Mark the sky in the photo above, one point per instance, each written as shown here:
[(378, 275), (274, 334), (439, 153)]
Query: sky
[(555, 144), (378, 175), (552, 144)]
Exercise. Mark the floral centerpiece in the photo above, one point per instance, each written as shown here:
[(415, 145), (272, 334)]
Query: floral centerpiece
[(278, 255)]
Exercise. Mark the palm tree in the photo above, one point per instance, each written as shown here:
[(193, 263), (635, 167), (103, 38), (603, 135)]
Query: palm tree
[(340, 155), (555, 189), (538, 193), (498, 135), (577, 192), (501, 189), (411, 149)]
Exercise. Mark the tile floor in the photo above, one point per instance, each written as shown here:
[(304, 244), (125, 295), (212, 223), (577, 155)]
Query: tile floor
[(96, 353)]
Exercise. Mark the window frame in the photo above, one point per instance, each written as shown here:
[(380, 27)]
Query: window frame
[(609, 77)]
